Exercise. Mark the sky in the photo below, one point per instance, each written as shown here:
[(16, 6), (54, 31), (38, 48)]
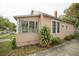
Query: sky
[(9, 9)]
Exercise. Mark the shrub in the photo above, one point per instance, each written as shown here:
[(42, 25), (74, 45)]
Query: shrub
[(69, 37), (45, 36), (76, 34), (72, 36), (55, 40), (14, 43)]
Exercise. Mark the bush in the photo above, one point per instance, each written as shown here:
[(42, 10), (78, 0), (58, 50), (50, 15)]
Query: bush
[(72, 36), (45, 36), (55, 40), (69, 37), (14, 43), (76, 34)]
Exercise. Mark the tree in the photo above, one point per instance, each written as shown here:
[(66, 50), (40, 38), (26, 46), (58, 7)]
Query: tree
[(71, 14), (6, 24), (73, 10)]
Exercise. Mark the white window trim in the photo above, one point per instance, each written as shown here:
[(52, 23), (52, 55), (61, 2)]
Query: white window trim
[(56, 26), (17, 28), (28, 26)]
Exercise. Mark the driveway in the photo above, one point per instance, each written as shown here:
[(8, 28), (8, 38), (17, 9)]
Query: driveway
[(70, 48)]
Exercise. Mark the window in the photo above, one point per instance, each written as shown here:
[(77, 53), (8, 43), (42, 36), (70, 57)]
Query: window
[(24, 26), (66, 27), (58, 27), (54, 27), (36, 27), (62, 25), (29, 26)]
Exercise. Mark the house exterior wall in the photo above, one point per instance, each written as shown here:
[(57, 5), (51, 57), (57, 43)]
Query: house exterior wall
[(63, 31), (33, 38), (26, 38)]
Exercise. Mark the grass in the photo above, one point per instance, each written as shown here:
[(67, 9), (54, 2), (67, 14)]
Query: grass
[(5, 47), (26, 50), (7, 36)]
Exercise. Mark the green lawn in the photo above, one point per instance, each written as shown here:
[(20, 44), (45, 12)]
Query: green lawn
[(7, 36), (5, 47)]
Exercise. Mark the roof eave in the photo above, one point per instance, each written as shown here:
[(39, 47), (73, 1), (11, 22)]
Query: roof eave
[(24, 16), (58, 19)]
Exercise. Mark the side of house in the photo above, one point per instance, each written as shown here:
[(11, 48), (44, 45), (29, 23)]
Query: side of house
[(58, 28), (28, 28)]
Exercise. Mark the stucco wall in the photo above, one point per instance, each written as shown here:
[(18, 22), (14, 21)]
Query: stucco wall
[(33, 38), (27, 38), (63, 31)]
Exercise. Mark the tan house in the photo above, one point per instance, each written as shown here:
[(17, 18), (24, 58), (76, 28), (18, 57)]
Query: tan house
[(28, 27)]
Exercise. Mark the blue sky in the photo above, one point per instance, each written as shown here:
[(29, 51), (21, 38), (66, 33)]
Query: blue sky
[(11, 9)]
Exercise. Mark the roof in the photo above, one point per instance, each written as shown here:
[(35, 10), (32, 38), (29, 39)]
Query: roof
[(22, 16), (44, 14), (58, 19)]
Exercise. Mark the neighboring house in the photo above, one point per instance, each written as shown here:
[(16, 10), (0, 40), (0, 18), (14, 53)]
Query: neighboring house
[(28, 27)]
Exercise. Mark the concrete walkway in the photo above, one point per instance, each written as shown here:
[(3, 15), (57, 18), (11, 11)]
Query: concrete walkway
[(70, 48)]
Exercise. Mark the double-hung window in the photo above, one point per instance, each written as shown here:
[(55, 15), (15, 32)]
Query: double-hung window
[(58, 27), (55, 27)]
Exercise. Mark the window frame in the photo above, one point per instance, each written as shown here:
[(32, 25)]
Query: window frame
[(56, 26), (31, 26), (22, 22), (35, 29), (53, 26), (66, 27)]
